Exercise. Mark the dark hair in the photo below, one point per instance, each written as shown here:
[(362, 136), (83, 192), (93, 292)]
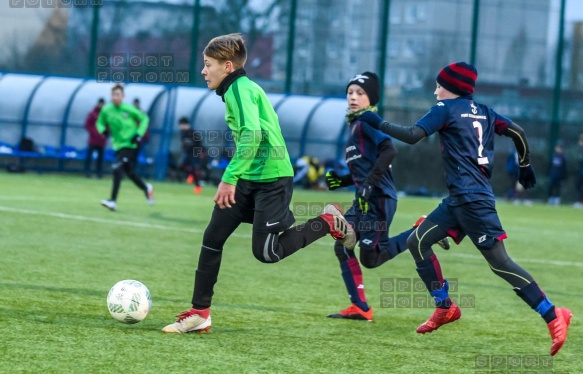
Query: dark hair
[(101, 100), (183, 120), (136, 100), (118, 86)]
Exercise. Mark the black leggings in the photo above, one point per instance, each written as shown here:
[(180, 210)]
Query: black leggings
[(267, 248), (125, 162), (428, 233)]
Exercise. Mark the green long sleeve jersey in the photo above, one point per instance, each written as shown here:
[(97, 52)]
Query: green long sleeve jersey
[(261, 154), (122, 122)]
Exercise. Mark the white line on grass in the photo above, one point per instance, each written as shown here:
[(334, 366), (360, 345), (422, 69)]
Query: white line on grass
[(530, 260), (197, 231), (39, 198), (100, 220)]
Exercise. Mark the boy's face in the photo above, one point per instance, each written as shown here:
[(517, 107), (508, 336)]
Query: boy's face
[(443, 94), (116, 97), (215, 71), (356, 98)]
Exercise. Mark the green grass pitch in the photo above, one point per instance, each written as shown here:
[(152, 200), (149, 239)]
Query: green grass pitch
[(61, 253)]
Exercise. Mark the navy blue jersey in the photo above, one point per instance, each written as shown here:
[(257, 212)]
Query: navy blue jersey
[(558, 168), (466, 130), (361, 155)]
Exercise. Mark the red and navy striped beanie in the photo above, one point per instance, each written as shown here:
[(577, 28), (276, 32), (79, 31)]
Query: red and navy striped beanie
[(458, 78)]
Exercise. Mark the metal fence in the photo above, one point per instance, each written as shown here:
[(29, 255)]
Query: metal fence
[(528, 52)]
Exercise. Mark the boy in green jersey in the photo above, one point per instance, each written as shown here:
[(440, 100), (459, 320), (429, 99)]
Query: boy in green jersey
[(121, 119), (256, 187)]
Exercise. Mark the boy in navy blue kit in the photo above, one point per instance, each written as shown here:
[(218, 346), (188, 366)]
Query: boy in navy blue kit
[(369, 155), (466, 130)]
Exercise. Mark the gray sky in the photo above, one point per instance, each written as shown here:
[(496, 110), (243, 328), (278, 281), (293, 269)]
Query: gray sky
[(574, 10)]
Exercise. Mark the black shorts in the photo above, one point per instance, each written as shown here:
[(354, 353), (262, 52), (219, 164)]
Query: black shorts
[(265, 205), (126, 155)]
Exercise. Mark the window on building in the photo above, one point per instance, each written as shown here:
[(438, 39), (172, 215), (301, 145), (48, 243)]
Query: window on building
[(411, 13), (422, 12), (395, 14), (393, 48)]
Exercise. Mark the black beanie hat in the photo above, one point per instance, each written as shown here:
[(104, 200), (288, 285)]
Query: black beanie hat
[(458, 78), (369, 83)]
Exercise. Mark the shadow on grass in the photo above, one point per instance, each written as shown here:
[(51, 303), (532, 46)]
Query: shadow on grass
[(187, 222)]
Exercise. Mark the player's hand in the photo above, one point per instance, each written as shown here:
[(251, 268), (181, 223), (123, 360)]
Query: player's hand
[(373, 119), (526, 176), (225, 195), (136, 139), (363, 195), (333, 180)]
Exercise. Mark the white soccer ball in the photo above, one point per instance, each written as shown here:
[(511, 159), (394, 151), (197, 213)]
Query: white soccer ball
[(129, 301)]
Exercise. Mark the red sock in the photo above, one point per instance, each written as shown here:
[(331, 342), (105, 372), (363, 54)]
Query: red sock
[(204, 313), (357, 276)]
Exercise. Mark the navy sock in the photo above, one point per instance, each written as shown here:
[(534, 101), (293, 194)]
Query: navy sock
[(547, 310), (537, 300)]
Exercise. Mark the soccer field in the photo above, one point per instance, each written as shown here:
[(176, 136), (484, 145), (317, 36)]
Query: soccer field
[(62, 252)]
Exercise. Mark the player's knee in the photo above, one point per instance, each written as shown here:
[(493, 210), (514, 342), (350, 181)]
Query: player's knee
[(369, 258), (116, 166), (212, 240), (264, 256), (213, 236), (418, 247), (127, 166), (413, 241), (117, 170), (497, 257)]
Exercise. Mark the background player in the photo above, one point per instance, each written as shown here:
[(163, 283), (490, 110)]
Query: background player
[(121, 119), (192, 152)]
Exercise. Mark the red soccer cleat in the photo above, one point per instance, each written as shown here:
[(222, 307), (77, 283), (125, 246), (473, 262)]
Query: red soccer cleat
[(419, 221), (439, 318), (353, 312), (558, 328)]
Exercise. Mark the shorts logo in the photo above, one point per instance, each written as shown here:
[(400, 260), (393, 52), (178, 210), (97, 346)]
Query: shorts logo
[(482, 239), (271, 224), (367, 241)]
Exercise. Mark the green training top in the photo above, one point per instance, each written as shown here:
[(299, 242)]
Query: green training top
[(122, 122), (261, 154)]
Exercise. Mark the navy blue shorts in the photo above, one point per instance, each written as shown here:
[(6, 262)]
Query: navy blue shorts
[(477, 219), (372, 228)]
